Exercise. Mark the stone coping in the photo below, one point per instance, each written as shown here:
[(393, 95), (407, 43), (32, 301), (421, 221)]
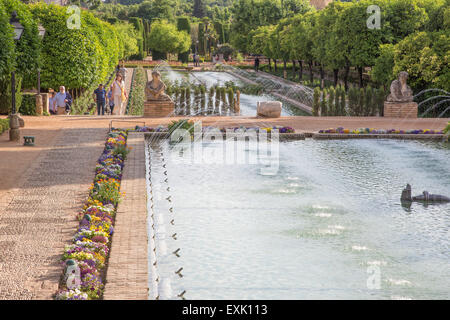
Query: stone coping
[(323, 136), (127, 273), (282, 136)]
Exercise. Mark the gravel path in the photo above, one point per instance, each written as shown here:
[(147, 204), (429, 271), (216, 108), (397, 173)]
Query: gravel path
[(38, 218)]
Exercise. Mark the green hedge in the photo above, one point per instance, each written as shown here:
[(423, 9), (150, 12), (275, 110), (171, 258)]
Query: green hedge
[(28, 105), (4, 125)]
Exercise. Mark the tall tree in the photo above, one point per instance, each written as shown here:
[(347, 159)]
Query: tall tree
[(199, 9)]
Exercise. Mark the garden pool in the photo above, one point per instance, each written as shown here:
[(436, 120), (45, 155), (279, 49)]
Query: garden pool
[(328, 225)]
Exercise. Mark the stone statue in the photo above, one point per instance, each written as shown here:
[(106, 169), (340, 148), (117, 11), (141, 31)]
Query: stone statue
[(400, 91), (155, 88), (424, 197)]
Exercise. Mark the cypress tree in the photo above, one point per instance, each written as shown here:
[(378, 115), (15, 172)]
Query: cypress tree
[(199, 9), (361, 101), (316, 102), (323, 104), (183, 24), (331, 107), (337, 106), (342, 102)]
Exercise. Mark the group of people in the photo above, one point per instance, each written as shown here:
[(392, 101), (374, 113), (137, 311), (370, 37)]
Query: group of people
[(60, 102), (116, 94)]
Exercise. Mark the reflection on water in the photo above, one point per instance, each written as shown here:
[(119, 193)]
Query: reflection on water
[(320, 228)]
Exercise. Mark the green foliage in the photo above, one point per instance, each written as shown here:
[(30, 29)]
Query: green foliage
[(28, 105), (28, 46), (127, 39), (337, 108), (331, 106), (185, 124), (121, 150), (164, 37), (353, 101), (7, 52), (183, 24), (361, 102), (425, 56), (316, 102), (369, 109), (227, 50), (447, 128), (75, 58), (342, 103), (323, 103), (106, 191), (382, 71), (4, 125), (248, 15), (137, 94)]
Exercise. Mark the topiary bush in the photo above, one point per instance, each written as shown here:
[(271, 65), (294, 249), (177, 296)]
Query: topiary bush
[(316, 102), (4, 125), (28, 105)]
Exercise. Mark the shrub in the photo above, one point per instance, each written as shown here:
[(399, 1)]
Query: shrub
[(331, 107), (316, 102), (4, 125), (342, 103), (121, 150), (323, 103), (28, 105)]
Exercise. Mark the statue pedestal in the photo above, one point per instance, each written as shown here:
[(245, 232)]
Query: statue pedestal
[(400, 109), (158, 109)]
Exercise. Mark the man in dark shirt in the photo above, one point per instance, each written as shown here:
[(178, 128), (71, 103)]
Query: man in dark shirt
[(256, 63), (100, 98)]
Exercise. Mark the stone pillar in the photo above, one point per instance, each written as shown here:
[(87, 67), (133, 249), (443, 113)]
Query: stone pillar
[(45, 105), (158, 109), (39, 108), (400, 109), (14, 131)]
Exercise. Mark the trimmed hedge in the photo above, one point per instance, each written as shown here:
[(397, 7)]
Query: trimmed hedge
[(28, 105), (4, 125)]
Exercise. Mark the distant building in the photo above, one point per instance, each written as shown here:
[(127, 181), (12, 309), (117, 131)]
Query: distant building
[(320, 4)]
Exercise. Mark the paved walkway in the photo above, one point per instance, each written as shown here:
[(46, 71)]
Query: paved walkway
[(38, 217), (127, 275)]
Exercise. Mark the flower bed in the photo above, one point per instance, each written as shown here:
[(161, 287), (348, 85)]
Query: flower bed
[(86, 258), (375, 131), (282, 129)]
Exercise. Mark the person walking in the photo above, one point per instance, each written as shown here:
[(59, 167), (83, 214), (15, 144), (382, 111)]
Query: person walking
[(100, 98), (257, 64), (52, 103), (63, 101), (110, 100), (122, 70), (119, 93)]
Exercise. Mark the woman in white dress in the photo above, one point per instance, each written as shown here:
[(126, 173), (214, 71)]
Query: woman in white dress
[(119, 94)]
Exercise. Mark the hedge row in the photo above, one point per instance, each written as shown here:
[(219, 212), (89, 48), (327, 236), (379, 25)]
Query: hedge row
[(4, 125)]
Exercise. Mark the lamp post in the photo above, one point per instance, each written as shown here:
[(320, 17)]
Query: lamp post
[(41, 31), (14, 134), (39, 98)]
